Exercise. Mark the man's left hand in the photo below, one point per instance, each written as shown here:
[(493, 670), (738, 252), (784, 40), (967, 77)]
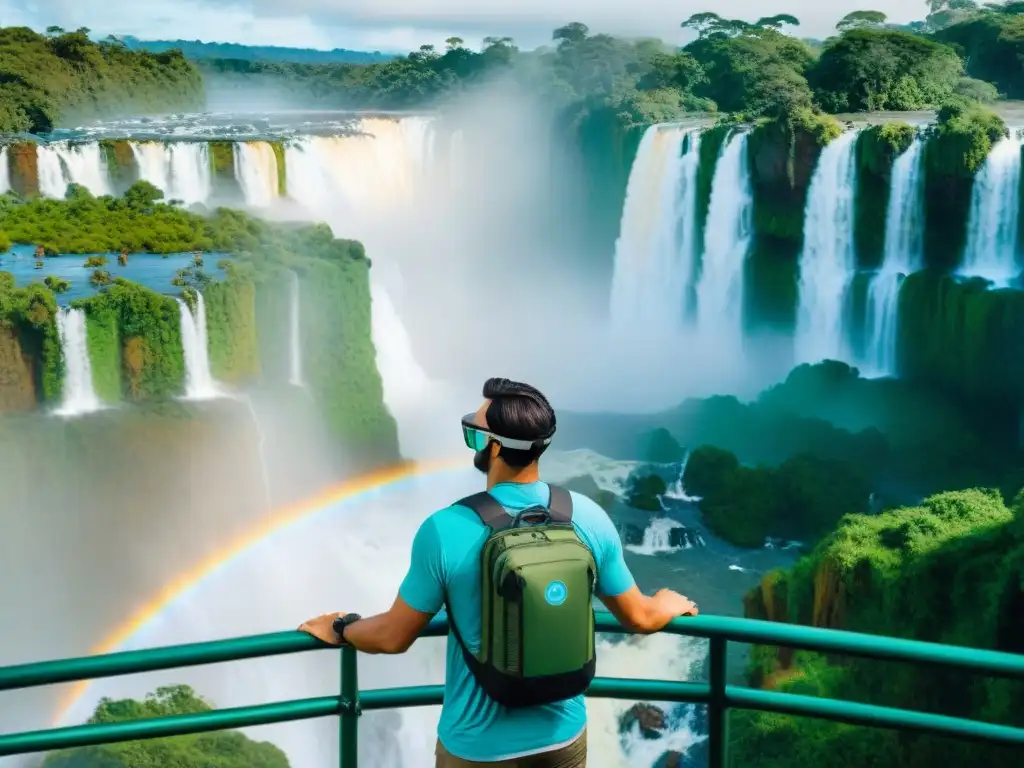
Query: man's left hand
[(322, 628)]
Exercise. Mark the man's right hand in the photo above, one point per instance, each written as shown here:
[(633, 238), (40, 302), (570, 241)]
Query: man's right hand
[(675, 604)]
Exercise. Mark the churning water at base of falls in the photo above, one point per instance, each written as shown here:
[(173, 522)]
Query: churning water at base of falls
[(654, 253), (993, 239), (199, 382), (727, 234), (903, 253), (828, 261), (78, 396)]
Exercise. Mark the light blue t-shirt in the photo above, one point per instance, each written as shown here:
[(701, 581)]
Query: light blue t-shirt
[(446, 557)]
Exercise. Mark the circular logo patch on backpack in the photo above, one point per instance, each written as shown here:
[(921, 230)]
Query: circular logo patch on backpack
[(555, 593)]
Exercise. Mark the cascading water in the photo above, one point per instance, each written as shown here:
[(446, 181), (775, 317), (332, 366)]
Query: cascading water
[(361, 174), (181, 169), (828, 261), (664, 536), (256, 172), (295, 333), (993, 248), (61, 163), (5, 172), (727, 235), (199, 382), (654, 254), (78, 396), (354, 183), (903, 254)]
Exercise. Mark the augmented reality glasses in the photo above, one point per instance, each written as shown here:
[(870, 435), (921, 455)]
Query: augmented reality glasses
[(477, 437)]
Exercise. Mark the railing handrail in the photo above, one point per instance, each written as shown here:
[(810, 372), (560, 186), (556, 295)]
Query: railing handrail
[(716, 693), (728, 628)]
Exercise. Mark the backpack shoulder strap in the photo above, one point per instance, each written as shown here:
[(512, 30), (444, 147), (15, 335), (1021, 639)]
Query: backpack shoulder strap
[(560, 505), (487, 508)]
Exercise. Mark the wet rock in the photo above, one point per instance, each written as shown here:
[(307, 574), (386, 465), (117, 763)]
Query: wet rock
[(684, 537), (631, 534), (650, 719), (645, 491)]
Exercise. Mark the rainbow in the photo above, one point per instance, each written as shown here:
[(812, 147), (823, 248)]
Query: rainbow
[(348, 490)]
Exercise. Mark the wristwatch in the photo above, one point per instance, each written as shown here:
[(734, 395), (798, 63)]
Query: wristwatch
[(343, 621)]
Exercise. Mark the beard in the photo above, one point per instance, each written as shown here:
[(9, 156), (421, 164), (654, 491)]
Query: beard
[(482, 460)]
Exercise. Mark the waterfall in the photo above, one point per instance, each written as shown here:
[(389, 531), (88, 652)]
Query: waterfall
[(295, 333), (355, 183), (78, 395), (726, 244), (903, 254), (654, 254), (199, 383), (256, 171), (181, 169), (992, 249), (61, 163), (5, 171), (361, 174), (828, 261), (658, 538)]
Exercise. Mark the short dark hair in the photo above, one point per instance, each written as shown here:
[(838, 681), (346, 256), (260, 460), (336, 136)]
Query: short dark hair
[(521, 412)]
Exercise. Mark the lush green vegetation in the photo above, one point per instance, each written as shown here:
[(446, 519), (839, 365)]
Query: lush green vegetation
[(134, 333), (48, 80), (802, 499), (220, 749), (947, 571)]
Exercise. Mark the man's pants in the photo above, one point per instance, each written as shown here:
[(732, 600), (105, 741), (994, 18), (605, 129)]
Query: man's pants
[(570, 756)]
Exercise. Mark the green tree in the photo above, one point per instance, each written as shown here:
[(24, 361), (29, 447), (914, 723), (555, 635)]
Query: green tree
[(96, 261), (876, 69), (223, 749), (57, 284), (100, 277), (859, 19), (778, 21)]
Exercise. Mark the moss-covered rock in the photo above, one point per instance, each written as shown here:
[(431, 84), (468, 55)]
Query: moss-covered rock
[(231, 326), (878, 146), (122, 168), (17, 387), (23, 159), (948, 571), (104, 349), (340, 359), (282, 167), (222, 166), (783, 154), (964, 337), (957, 148)]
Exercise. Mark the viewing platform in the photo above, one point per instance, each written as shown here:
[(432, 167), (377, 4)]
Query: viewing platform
[(716, 693)]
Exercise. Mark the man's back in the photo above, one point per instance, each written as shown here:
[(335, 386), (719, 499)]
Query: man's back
[(446, 561)]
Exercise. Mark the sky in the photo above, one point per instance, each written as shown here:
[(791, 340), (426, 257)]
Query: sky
[(402, 25)]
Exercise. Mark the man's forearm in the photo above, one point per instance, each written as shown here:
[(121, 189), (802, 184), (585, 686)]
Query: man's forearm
[(374, 635)]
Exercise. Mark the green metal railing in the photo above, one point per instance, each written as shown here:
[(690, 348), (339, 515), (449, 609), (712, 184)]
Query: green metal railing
[(715, 693)]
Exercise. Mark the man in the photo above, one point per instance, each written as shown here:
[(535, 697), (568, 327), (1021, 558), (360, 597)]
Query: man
[(509, 433)]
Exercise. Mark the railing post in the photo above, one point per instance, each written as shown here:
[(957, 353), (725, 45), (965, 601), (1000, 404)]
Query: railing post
[(348, 727), (718, 712)]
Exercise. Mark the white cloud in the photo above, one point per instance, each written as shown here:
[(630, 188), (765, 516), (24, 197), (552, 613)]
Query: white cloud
[(404, 24)]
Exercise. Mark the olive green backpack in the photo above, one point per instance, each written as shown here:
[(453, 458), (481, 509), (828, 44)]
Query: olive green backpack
[(537, 616)]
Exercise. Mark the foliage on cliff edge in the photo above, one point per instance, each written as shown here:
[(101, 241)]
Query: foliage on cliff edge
[(950, 570)]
